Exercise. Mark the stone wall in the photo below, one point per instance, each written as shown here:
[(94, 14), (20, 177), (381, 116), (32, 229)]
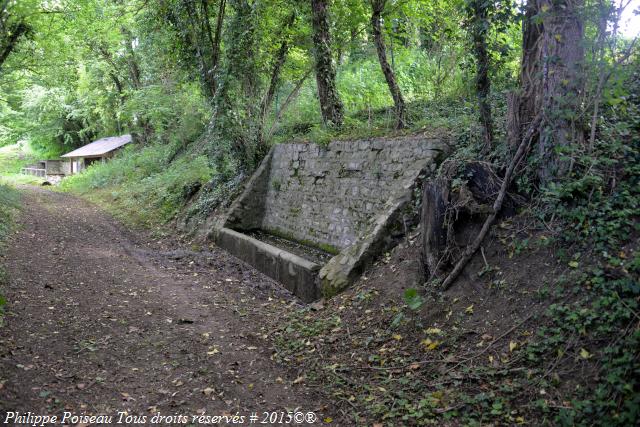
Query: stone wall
[(350, 198), (58, 167), (327, 196)]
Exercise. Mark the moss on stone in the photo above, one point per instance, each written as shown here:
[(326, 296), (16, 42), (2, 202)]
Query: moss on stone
[(330, 249)]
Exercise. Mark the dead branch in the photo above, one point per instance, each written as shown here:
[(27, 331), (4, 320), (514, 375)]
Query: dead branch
[(497, 205)]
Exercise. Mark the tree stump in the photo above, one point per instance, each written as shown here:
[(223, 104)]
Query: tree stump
[(435, 200), (452, 215)]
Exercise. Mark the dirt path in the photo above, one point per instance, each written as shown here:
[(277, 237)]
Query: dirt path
[(101, 321)]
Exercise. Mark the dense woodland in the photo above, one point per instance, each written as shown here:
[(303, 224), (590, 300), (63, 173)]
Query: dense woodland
[(544, 93)]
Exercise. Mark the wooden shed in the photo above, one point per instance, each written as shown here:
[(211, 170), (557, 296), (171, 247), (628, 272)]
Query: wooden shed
[(97, 151)]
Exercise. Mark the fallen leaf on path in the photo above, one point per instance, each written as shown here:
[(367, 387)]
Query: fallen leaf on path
[(430, 344)]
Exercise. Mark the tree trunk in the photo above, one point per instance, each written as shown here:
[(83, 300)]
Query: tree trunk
[(552, 79), (479, 28), (528, 104), (135, 77), (274, 82), (214, 42), (330, 103), (435, 201), (16, 32), (563, 54), (452, 217), (132, 62), (215, 55), (401, 109), (513, 126), (199, 32)]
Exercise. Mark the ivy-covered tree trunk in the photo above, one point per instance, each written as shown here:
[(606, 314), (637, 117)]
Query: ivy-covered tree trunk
[(552, 77), (528, 103), (378, 38), (217, 37), (203, 40), (479, 27), (562, 77), (330, 103), (236, 107)]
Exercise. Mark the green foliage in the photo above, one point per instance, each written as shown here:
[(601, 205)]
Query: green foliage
[(15, 157), (596, 328), (8, 204), (107, 72), (596, 324), (413, 300), (141, 185), (600, 200), (364, 91), (177, 113)]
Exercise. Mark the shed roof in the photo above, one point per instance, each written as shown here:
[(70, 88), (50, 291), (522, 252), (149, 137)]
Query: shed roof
[(101, 146)]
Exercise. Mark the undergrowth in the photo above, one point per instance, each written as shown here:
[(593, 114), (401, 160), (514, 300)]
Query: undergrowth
[(596, 211), (12, 159), (8, 204), (142, 185), (572, 359)]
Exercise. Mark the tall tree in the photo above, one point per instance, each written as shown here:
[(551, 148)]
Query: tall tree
[(330, 103), (377, 7), (478, 23), (552, 77), (135, 79), (204, 41), (274, 81), (10, 39), (236, 108), (13, 26)]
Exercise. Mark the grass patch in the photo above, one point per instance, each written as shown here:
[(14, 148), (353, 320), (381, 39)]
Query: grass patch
[(12, 159), (141, 186), (437, 118), (8, 205)]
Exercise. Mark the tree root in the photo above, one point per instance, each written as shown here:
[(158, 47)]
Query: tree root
[(523, 148)]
